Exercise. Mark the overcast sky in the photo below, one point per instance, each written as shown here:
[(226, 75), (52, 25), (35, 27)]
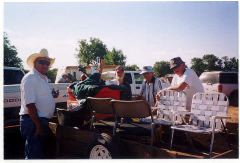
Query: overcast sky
[(146, 32)]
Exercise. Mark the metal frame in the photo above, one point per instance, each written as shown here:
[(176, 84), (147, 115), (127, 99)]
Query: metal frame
[(212, 126)]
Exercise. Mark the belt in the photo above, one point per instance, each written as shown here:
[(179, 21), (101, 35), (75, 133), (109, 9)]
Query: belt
[(28, 116)]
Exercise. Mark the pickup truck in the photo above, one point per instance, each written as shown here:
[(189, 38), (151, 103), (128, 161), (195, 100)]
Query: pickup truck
[(12, 95), (134, 78)]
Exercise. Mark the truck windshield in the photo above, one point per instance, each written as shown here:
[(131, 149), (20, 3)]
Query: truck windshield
[(12, 76), (138, 78)]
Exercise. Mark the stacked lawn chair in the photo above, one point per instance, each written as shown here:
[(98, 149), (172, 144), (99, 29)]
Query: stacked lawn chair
[(170, 104), (208, 116)]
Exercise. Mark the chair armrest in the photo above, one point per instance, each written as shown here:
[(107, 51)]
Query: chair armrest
[(214, 118), (182, 112), (220, 117)]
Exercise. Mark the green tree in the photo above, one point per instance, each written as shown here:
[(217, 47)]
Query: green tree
[(162, 68), (115, 57), (198, 66), (51, 74), (211, 62), (230, 64), (131, 68), (234, 64), (88, 51), (10, 54)]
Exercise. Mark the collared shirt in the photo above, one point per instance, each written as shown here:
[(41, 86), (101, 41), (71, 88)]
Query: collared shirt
[(36, 89), (149, 90), (194, 84)]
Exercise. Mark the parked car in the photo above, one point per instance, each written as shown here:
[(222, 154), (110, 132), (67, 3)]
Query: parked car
[(12, 95), (220, 81)]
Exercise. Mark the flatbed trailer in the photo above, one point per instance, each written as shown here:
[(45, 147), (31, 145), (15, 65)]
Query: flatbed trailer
[(76, 143)]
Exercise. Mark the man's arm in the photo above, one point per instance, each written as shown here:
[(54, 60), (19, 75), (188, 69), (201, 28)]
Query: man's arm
[(32, 111), (179, 87)]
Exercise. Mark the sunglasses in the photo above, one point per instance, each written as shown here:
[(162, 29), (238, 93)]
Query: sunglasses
[(43, 62), (175, 68)]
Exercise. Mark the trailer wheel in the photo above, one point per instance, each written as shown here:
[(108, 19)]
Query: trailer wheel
[(103, 148)]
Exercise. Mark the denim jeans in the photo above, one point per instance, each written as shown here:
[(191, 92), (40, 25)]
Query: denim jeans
[(34, 144)]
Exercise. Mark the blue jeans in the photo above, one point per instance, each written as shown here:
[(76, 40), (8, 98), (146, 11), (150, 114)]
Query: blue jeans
[(34, 144)]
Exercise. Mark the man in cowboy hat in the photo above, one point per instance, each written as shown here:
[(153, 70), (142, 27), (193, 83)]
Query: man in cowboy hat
[(37, 105), (150, 86), (184, 79)]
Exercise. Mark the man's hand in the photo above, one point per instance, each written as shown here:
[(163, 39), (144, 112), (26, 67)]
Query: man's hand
[(55, 94), (32, 111), (158, 95), (39, 131), (154, 110)]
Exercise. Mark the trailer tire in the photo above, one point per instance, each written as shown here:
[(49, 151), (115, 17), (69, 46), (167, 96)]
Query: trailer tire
[(103, 148)]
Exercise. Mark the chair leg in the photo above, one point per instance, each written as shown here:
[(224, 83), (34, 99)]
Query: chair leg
[(91, 125), (115, 128), (152, 133), (211, 145), (171, 143)]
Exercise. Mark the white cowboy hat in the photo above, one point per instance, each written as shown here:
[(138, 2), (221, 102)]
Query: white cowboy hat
[(42, 54)]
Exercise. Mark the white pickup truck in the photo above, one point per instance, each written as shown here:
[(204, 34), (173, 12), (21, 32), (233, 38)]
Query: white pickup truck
[(134, 78), (12, 96)]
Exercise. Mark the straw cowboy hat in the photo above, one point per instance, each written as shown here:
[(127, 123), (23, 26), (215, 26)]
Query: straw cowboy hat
[(42, 54)]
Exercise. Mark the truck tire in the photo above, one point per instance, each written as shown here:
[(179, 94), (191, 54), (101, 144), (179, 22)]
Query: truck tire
[(103, 148), (234, 98)]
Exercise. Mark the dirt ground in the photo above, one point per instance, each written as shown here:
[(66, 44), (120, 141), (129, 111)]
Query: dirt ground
[(233, 113)]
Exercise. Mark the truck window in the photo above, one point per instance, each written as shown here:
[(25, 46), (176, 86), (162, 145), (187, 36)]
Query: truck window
[(12, 77), (128, 78), (138, 78), (229, 78)]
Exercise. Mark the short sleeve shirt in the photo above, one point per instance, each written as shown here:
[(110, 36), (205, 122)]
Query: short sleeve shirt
[(36, 89), (193, 82)]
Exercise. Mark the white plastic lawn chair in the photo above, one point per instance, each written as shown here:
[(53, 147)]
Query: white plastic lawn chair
[(208, 116), (170, 103)]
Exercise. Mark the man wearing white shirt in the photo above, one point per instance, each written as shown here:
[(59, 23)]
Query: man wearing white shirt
[(185, 80), (37, 105)]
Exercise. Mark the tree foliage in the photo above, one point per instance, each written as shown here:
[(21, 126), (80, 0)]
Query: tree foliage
[(210, 62), (131, 68), (115, 57), (88, 51), (197, 65), (10, 54), (162, 68), (51, 74)]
